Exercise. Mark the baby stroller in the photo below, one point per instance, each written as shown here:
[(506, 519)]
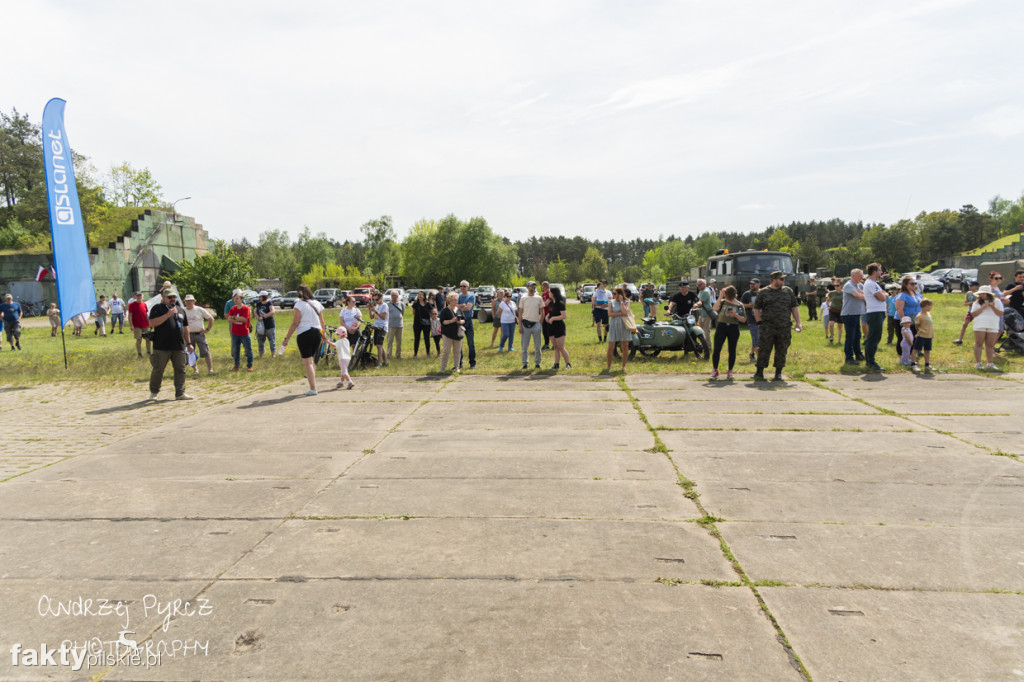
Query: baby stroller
[(1013, 324)]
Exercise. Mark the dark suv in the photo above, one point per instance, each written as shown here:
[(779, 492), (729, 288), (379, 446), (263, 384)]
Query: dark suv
[(328, 298)]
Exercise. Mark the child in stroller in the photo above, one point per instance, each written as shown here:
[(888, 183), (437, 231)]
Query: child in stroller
[(1013, 338)]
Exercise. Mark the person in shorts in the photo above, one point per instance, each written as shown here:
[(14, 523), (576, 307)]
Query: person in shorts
[(925, 334), (600, 305), (969, 299), (117, 310), (138, 323), (53, 313), (102, 310), (200, 322), (379, 313), (308, 323)]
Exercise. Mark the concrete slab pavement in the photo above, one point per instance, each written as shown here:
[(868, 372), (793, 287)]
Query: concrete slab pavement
[(391, 532)]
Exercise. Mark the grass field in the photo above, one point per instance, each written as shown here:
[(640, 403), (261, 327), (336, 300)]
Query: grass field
[(92, 358)]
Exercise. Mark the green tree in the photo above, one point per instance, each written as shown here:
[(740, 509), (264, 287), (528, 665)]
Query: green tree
[(558, 270), (675, 258), (312, 250), (706, 245), (273, 256), (21, 157), (893, 247), (382, 253), (129, 187), (212, 276), (594, 265), (450, 250)]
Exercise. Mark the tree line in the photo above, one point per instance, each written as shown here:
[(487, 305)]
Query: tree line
[(448, 249)]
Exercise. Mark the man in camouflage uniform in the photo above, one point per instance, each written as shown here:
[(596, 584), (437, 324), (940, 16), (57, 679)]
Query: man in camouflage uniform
[(811, 298), (772, 310)]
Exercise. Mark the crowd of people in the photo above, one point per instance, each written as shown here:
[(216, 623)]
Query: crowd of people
[(855, 315)]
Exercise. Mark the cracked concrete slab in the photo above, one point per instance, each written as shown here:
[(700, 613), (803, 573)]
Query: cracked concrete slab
[(889, 503), (915, 467), (418, 630), (462, 441), (872, 635), (905, 557), (637, 465), (520, 549), (817, 442), (477, 498)]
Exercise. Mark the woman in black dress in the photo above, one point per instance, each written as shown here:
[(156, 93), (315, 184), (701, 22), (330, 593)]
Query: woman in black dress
[(556, 324), (421, 323)]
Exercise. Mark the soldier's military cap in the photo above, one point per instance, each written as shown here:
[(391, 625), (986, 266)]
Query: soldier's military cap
[(778, 274)]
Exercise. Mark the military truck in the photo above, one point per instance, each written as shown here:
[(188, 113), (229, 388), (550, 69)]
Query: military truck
[(740, 267)]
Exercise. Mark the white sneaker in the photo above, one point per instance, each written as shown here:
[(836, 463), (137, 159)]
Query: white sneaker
[(311, 391), (991, 366), (979, 366), (153, 396), (183, 396)]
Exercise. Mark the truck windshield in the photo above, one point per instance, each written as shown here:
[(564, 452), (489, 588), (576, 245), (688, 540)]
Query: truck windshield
[(764, 263)]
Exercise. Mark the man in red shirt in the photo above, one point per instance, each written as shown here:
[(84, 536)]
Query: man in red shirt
[(239, 317), (138, 322)]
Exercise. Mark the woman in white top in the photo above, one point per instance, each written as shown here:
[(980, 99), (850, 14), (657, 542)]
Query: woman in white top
[(987, 313), (350, 318), (507, 317), (308, 321)]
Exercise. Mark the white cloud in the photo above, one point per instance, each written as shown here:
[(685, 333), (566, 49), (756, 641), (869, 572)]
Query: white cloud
[(574, 117)]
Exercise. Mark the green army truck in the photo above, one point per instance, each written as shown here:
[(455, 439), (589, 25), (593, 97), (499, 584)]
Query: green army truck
[(740, 267)]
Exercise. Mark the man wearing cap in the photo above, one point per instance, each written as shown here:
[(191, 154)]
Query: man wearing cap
[(682, 302), (531, 305), (747, 299), (200, 322), (811, 299), (138, 323), (171, 342), (230, 303), (239, 316), (773, 308), (265, 314)]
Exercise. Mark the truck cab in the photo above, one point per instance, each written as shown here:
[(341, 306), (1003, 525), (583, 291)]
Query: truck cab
[(740, 267)]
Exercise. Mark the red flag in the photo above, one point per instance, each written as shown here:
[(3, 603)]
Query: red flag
[(41, 274)]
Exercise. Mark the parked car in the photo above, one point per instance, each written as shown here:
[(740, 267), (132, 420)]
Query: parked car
[(929, 284), (634, 293), (286, 301), (954, 278), (586, 294), (559, 286), (518, 292), (485, 295), (411, 294), (967, 276), (401, 294), (362, 295), (328, 298)]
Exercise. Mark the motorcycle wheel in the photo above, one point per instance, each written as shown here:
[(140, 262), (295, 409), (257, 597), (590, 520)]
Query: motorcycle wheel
[(699, 347), (649, 352)]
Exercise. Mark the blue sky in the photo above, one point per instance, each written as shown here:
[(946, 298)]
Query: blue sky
[(605, 119)]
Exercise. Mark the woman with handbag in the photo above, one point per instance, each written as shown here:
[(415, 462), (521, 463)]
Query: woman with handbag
[(421, 323), (507, 316), (618, 331), (452, 332)]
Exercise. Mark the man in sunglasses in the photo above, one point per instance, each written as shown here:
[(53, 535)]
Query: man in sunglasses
[(171, 342)]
